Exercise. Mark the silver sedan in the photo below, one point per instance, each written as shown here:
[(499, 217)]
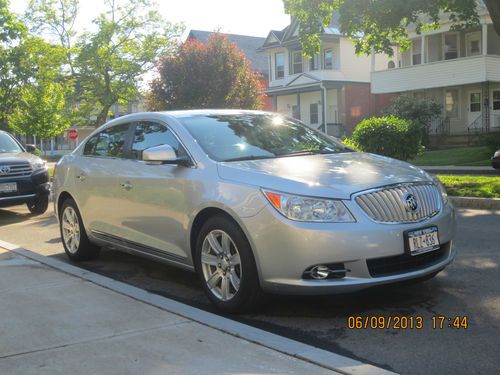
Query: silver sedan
[(253, 202)]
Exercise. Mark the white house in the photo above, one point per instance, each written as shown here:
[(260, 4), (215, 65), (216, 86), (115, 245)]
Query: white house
[(459, 69), (330, 91)]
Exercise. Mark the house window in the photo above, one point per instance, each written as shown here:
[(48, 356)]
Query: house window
[(475, 102), (297, 62), (280, 65), (496, 100), (270, 64), (328, 59), (296, 112), (473, 44), (451, 103), (450, 46), (314, 63), (313, 109), (416, 48)]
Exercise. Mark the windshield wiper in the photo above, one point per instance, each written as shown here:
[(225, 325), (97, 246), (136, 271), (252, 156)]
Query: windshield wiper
[(250, 157)]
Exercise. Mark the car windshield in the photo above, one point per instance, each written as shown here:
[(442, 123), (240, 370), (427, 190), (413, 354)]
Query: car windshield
[(235, 137), (8, 145)]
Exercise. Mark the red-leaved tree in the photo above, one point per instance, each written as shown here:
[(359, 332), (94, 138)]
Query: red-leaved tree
[(212, 75)]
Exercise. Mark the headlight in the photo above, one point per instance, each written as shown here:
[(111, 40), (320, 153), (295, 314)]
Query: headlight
[(301, 208), (37, 165), (442, 190)]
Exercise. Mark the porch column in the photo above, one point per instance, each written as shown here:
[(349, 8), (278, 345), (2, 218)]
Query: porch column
[(298, 106), (424, 54), (484, 38)]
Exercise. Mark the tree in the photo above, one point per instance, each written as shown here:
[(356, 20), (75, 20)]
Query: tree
[(108, 64), (43, 108), (13, 72), (375, 25), (212, 75)]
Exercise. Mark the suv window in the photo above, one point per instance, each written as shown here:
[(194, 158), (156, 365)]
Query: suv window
[(150, 134), (111, 142)]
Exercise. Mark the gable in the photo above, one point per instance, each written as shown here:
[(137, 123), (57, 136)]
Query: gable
[(303, 79)]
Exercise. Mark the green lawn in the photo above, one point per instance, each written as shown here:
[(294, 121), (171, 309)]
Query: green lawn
[(471, 186), (466, 156)]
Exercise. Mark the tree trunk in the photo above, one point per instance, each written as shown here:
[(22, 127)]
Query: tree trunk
[(102, 116), (494, 10)]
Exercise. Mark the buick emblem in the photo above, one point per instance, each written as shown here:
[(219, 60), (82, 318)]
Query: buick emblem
[(4, 169), (410, 202)]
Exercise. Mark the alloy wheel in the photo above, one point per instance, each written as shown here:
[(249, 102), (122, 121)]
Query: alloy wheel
[(70, 229)]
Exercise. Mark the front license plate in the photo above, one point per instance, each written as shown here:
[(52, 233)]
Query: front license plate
[(9, 187), (423, 240)]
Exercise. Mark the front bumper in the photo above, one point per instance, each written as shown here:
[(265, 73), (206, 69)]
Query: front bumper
[(29, 188), (284, 249)]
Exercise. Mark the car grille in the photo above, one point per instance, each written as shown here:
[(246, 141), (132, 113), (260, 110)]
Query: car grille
[(15, 170), (405, 263), (387, 205)]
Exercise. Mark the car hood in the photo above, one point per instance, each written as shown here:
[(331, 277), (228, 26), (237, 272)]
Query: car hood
[(335, 175), (17, 158)]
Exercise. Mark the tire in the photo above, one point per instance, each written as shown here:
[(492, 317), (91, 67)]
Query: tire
[(230, 281), (39, 206), (74, 238)]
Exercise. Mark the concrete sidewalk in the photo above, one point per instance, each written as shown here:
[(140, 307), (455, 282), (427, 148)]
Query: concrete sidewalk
[(55, 323)]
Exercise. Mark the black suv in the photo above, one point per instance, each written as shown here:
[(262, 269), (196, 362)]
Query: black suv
[(24, 177)]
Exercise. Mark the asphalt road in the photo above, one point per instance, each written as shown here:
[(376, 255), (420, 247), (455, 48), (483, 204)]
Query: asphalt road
[(469, 287)]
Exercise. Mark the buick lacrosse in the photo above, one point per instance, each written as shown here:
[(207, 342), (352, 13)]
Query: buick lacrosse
[(252, 202)]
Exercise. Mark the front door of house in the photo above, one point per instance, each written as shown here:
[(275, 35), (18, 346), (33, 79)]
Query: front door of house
[(474, 110), (495, 109)]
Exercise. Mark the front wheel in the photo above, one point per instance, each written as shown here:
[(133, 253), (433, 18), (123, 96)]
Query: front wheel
[(74, 238), (39, 205), (226, 266)]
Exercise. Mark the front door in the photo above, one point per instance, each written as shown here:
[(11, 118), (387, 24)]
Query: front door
[(154, 198), (475, 110), (495, 109)]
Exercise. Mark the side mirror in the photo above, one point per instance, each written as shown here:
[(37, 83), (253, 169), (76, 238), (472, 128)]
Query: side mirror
[(164, 154), (31, 148)]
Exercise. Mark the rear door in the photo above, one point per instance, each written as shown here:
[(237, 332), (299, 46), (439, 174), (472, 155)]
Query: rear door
[(96, 178)]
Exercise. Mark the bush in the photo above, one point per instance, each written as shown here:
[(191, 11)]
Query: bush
[(491, 141), (418, 110), (389, 136)]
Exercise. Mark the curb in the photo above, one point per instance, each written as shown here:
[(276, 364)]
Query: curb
[(320, 357), (476, 203)]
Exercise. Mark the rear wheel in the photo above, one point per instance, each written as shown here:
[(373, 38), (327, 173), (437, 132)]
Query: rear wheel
[(75, 241), (226, 266), (39, 206)]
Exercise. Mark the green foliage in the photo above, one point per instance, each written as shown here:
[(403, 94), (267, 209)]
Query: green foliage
[(375, 25), (466, 156), (418, 110), (212, 75), (388, 136)]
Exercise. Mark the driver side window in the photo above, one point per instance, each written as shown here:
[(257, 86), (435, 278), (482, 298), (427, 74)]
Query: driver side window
[(149, 134), (111, 142)]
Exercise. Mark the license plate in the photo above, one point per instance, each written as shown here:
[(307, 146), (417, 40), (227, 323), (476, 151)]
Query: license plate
[(423, 240), (9, 187)]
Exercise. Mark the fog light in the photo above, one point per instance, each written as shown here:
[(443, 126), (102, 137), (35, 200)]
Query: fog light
[(320, 272)]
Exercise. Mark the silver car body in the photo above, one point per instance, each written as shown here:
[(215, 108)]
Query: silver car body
[(150, 209)]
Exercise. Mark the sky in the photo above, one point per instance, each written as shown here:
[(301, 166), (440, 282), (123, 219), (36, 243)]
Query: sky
[(246, 17)]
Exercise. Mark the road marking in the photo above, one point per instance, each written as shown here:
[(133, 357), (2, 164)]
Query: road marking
[(281, 344)]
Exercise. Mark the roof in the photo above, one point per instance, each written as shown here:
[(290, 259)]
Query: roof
[(247, 44)]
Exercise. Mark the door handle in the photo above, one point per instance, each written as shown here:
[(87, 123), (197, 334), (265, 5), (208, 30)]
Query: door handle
[(81, 176), (126, 185)]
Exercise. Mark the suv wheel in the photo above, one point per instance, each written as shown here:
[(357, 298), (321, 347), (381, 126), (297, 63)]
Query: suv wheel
[(75, 241), (226, 266), (39, 206)]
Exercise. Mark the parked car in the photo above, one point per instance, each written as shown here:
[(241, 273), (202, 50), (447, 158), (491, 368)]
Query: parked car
[(251, 201), (24, 178), (495, 160)]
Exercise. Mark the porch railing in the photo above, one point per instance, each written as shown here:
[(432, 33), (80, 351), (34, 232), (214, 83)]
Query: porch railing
[(440, 126), (475, 128)]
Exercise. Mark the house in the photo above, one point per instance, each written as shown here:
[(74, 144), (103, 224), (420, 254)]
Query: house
[(249, 45), (330, 91), (459, 69)]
